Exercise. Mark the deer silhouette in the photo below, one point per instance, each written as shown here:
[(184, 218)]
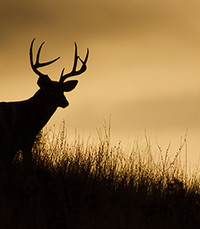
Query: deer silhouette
[(21, 121)]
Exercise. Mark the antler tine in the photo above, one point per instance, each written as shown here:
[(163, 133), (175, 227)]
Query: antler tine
[(86, 58), (75, 58), (31, 53), (37, 63), (74, 72), (38, 54)]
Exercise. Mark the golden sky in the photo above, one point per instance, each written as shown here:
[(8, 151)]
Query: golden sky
[(143, 67)]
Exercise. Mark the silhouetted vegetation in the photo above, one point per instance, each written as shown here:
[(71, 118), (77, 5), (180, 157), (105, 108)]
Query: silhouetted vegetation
[(84, 185)]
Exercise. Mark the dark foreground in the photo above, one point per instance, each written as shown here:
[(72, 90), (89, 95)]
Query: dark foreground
[(91, 191)]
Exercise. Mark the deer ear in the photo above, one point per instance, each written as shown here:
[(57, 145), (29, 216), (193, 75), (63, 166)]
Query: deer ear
[(43, 81), (70, 85)]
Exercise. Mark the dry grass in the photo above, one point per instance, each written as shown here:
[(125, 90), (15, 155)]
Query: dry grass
[(85, 185)]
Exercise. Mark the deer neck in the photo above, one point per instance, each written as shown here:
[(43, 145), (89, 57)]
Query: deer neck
[(43, 107)]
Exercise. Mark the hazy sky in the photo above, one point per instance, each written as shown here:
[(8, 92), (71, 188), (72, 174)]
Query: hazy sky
[(143, 67)]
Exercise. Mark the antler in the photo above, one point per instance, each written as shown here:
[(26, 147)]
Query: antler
[(38, 64), (75, 72)]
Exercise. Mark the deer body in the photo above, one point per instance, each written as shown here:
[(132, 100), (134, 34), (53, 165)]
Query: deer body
[(20, 122)]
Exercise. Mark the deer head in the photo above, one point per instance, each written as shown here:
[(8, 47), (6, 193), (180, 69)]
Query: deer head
[(53, 90)]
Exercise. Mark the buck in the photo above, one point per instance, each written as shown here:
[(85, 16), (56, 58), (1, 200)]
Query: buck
[(20, 122)]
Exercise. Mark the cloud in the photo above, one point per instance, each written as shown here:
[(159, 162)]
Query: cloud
[(89, 18), (164, 112)]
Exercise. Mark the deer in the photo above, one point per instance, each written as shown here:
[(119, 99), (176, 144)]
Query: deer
[(21, 121)]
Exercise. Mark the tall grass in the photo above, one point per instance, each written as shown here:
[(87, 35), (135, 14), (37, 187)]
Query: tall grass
[(80, 184)]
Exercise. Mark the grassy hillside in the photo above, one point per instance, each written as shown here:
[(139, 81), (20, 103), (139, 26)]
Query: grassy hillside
[(83, 185)]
